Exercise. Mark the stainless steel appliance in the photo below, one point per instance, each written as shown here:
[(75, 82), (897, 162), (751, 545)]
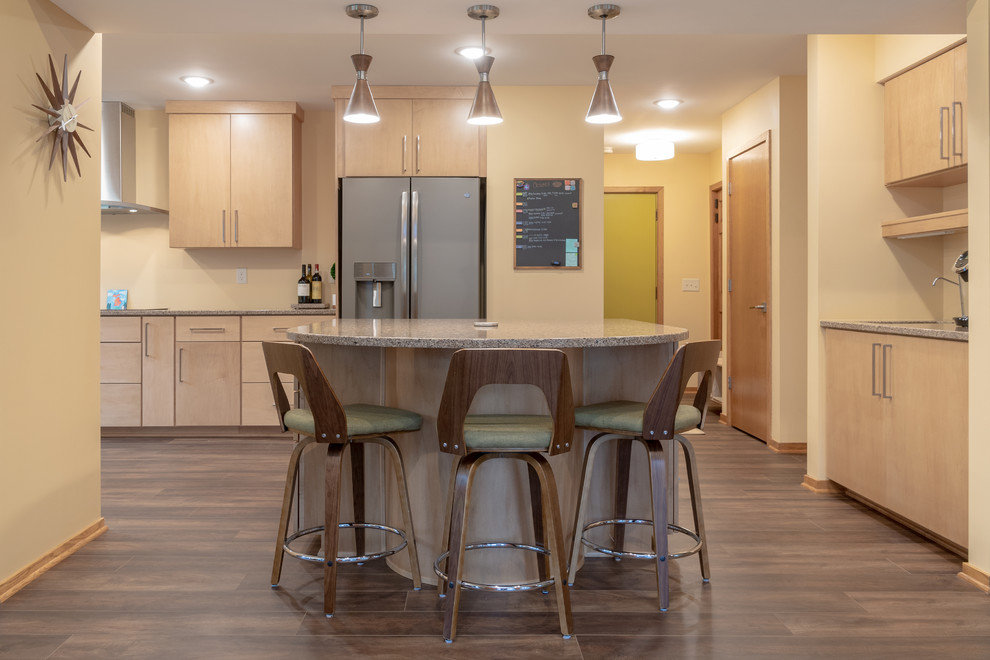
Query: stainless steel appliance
[(412, 248)]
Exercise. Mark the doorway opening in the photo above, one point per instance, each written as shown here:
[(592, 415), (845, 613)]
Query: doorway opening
[(634, 253)]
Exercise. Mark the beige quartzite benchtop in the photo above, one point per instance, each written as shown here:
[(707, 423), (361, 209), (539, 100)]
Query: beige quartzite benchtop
[(217, 312), (462, 333), (931, 329)]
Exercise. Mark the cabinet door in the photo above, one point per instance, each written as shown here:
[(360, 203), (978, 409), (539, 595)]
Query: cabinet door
[(120, 404), (855, 411), (444, 144), (207, 383), (381, 149), (265, 199), (199, 180), (928, 439), (158, 365), (917, 119), (960, 96)]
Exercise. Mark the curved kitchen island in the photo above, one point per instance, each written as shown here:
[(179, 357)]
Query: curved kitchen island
[(403, 363)]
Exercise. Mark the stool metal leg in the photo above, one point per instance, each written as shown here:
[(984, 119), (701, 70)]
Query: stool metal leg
[(287, 497), (403, 491), (460, 498), (694, 486), (658, 497), (445, 539), (589, 461), (536, 504), (331, 520)]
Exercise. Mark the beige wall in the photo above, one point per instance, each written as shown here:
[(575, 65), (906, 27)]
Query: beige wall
[(685, 180), (554, 141), (897, 52), (135, 250), (780, 107), (49, 263)]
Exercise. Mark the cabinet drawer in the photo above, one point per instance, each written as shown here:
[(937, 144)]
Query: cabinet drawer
[(257, 405), (120, 363), (120, 405), (120, 328), (273, 328), (207, 328)]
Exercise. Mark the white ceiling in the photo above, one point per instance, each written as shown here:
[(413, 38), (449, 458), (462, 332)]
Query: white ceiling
[(710, 53)]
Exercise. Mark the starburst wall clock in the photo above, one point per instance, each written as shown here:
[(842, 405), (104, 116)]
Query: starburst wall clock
[(63, 118)]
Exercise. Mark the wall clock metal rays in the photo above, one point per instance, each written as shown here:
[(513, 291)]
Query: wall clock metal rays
[(63, 119)]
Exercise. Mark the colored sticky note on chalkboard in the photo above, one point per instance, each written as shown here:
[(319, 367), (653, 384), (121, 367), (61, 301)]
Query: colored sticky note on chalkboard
[(571, 259), (570, 245)]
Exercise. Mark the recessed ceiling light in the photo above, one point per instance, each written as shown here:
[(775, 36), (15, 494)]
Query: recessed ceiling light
[(609, 150), (472, 52), (196, 81), (668, 104), (655, 150)]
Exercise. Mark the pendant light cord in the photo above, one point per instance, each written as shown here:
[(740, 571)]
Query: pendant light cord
[(603, 35), (362, 36)]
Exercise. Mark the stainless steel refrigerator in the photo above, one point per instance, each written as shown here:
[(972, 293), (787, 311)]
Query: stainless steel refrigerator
[(411, 248)]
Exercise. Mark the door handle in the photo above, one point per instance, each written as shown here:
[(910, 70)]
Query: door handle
[(941, 133), (414, 257), (146, 339), (762, 307), (961, 142), (236, 227), (885, 347), (180, 365), (417, 155), (405, 139), (873, 369), (223, 226), (404, 256)]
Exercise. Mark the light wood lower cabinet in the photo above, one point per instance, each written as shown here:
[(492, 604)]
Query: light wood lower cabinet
[(120, 371), (897, 425), (158, 371), (207, 383)]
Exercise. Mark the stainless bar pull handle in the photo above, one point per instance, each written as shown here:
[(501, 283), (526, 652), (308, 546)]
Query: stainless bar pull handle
[(223, 226), (405, 153), (180, 364), (376, 294), (237, 222), (762, 307), (146, 324), (417, 155), (207, 329), (961, 141), (286, 329), (885, 369), (941, 132), (404, 256), (873, 369), (414, 266)]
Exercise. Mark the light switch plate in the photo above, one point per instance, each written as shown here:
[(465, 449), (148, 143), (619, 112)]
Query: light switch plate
[(690, 284), (242, 275)]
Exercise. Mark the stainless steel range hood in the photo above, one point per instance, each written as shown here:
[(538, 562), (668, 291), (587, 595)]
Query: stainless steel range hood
[(118, 180)]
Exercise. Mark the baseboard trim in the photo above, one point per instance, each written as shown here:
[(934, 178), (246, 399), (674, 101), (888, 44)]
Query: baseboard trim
[(951, 546), (975, 576), (787, 447), (723, 418), (821, 486), (192, 432), (35, 569)]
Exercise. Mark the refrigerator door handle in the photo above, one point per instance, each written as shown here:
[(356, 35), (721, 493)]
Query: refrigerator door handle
[(404, 256), (414, 266)]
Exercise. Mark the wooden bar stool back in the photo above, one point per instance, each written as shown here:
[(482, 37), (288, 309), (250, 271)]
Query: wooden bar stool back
[(657, 424), (339, 427), (476, 439)]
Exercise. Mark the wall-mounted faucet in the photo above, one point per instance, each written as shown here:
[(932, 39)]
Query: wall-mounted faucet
[(962, 304)]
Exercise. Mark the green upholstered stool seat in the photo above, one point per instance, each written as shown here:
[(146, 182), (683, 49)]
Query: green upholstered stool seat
[(628, 416), (362, 419), (519, 432)]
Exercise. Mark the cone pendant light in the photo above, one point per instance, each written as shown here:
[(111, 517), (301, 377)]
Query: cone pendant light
[(361, 106), (603, 109), (484, 110)]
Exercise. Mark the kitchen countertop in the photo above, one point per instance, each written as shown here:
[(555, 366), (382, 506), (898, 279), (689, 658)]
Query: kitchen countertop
[(932, 329), (462, 333), (217, 312)]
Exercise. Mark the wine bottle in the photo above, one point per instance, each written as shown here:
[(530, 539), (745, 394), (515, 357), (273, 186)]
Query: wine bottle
[(316, 286), (303, 287)]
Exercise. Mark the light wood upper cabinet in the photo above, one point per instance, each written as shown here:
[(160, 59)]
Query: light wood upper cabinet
[(234, 174), (423, 132), (925, 123)]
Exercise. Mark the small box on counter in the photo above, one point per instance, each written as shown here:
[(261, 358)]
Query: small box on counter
[(116, 298)]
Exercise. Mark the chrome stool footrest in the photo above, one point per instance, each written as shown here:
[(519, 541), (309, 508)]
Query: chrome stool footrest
[(345, 560), (612, 552), (481, 586)]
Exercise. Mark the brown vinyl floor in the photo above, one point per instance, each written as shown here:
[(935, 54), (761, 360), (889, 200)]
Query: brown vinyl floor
[(183, 572)]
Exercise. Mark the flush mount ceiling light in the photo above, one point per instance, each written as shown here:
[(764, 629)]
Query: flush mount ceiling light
[(603, 109), (484, 110), (472, 52), (196, 81), (667, 104), (655, 150), (361, 106)]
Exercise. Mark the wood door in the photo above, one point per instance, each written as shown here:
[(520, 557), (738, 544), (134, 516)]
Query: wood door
[(382, 149), (207, 383), (960, 96), (917, 120), (158, 371), (715, 256), (443, 143), (632, 266), (749, 288), (199, 181), (928, 441), (855, 412), (264, 170)]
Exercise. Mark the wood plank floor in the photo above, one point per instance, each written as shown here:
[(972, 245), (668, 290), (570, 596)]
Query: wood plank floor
[(183, 572)]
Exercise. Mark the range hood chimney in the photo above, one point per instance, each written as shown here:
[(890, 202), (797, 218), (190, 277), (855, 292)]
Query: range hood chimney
[(118, 180)]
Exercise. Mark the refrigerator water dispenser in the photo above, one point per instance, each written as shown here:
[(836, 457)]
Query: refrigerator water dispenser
[(374, 284)]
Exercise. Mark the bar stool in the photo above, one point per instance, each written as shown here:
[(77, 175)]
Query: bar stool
[(326, 421), (657, 424), (477, 439)]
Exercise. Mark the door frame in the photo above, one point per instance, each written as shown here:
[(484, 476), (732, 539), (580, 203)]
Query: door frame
[(658, 191), (716, 220)]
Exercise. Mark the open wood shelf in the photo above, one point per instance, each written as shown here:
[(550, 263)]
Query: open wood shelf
[(946, 222)]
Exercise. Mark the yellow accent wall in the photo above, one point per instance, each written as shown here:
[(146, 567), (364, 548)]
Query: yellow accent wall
[(135, 250), (631, 256), (685, 180), (544, 135), (49, 263)]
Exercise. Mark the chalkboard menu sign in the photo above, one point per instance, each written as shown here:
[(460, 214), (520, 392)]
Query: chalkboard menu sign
[(548, 223)]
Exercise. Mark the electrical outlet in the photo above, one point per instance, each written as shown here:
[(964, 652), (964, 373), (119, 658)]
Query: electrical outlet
[(690, 284), (242, 275)]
